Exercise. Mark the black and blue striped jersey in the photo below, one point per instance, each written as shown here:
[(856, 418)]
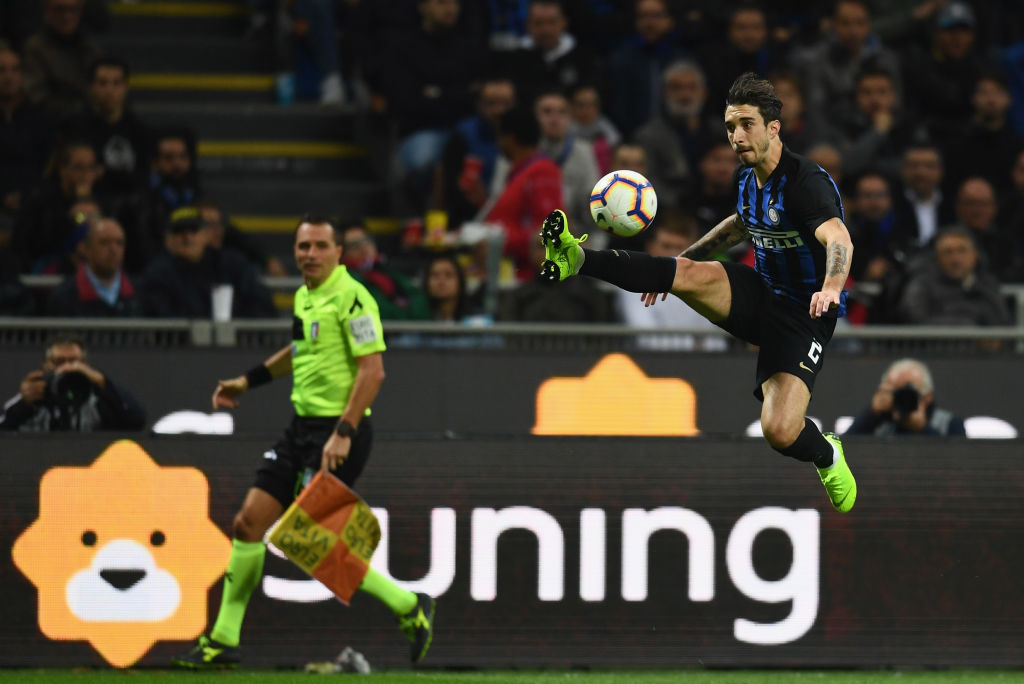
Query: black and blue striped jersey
[(781, 218)]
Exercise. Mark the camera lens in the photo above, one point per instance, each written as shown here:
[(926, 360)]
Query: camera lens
[(72, 387), (905, 399)]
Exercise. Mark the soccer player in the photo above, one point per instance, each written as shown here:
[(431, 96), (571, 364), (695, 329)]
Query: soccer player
[(337, 369), (792, 212)]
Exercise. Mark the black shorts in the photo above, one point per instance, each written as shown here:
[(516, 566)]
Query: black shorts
[(301, 448), (790, 340)]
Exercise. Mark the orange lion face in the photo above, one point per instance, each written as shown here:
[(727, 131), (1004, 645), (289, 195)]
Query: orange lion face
[(123, 553)]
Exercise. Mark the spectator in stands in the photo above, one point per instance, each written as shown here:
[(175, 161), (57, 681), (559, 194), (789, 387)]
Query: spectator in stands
[(173, 184), (69, 394), (630, 156), (921, 206), (445, 288), (57, 60), (532, 189), (988, 145), (672, 138), (827, 156), (673, 233), (47, 231), (941, 78), (875, 130), (574, 155), (397, 297), (801, 129), (426, 78), (121, 139), (831, 66), (904, 405), (903, 22), (590, 124), (550, 58), (313, 24), (223, 233), (954, 288), (634, 72), (537, 302), (180, 282), (1012, 213), (976, 210), (715, 195), (881, 244), (471, 153), (25, 141), (746, 47), (100, 288)]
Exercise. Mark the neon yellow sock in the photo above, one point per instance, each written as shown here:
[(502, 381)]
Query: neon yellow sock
[(399, 600), (244, 571)]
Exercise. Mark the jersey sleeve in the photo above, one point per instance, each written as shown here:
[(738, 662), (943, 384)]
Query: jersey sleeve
[(816, 199), (360, 322)]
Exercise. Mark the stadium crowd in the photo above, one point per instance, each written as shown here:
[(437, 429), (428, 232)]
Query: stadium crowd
[(502, 110)]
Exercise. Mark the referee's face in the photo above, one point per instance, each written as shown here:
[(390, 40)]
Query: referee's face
[(316, 252)]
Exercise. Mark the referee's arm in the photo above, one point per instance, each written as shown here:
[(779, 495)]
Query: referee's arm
[(228, 391), (369, 378)]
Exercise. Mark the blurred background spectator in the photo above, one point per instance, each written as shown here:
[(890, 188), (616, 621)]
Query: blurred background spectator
[(952, 287), (397, 297), (121, 139), (180, 282), (634, 73), (225, 234), (589, 123), (25, 141), (99, 288), (69, 394), (47, 231), (57, 60), (904, 404)]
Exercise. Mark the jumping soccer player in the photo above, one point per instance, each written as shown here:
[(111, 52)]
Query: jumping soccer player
[(337, 368), (787, 305)]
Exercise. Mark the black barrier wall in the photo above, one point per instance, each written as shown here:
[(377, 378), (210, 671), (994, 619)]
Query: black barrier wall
[(471, 392), (543, 552)]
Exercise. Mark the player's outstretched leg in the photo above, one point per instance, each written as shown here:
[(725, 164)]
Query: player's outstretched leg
[(563, 255), (838, 479)]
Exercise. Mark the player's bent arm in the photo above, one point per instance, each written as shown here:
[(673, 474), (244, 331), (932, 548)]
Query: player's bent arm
[(838, 253), (369, 378), (729, 232)]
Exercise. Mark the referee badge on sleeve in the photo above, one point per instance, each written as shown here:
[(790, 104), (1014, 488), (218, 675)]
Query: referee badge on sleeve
[(362, 329), (314, 330)]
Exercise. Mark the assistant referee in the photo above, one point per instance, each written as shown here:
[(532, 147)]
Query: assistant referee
[(337, 367)]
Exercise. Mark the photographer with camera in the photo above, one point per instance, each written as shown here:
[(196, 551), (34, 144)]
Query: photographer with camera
[(904, 404), (67, 394)]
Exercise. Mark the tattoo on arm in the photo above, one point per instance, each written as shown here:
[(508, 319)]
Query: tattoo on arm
[(729, 232), (838, 260)]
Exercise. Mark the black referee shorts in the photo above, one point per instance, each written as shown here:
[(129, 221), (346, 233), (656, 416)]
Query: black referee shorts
[(790, 340), (301, 448)]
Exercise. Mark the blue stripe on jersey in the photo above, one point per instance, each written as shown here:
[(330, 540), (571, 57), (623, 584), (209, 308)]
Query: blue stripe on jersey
[(842, 209)]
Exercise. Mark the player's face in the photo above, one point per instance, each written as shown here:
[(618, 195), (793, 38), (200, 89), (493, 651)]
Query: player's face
[(316, 252), (748, 134)]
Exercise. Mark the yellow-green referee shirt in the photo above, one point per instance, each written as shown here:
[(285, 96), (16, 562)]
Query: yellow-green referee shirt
[(339, 322)]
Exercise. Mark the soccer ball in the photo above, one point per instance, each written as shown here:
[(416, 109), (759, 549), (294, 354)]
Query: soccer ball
[(623, 202)]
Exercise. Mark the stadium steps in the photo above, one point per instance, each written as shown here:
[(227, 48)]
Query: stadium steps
[(181, 18), (264, 164)]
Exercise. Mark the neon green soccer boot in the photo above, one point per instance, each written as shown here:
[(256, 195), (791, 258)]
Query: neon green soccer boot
[(563, 255), (838, 480), (208, 654), (418, 626)]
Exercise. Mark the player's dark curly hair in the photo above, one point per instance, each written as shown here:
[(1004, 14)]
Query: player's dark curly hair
[(748, 89)]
